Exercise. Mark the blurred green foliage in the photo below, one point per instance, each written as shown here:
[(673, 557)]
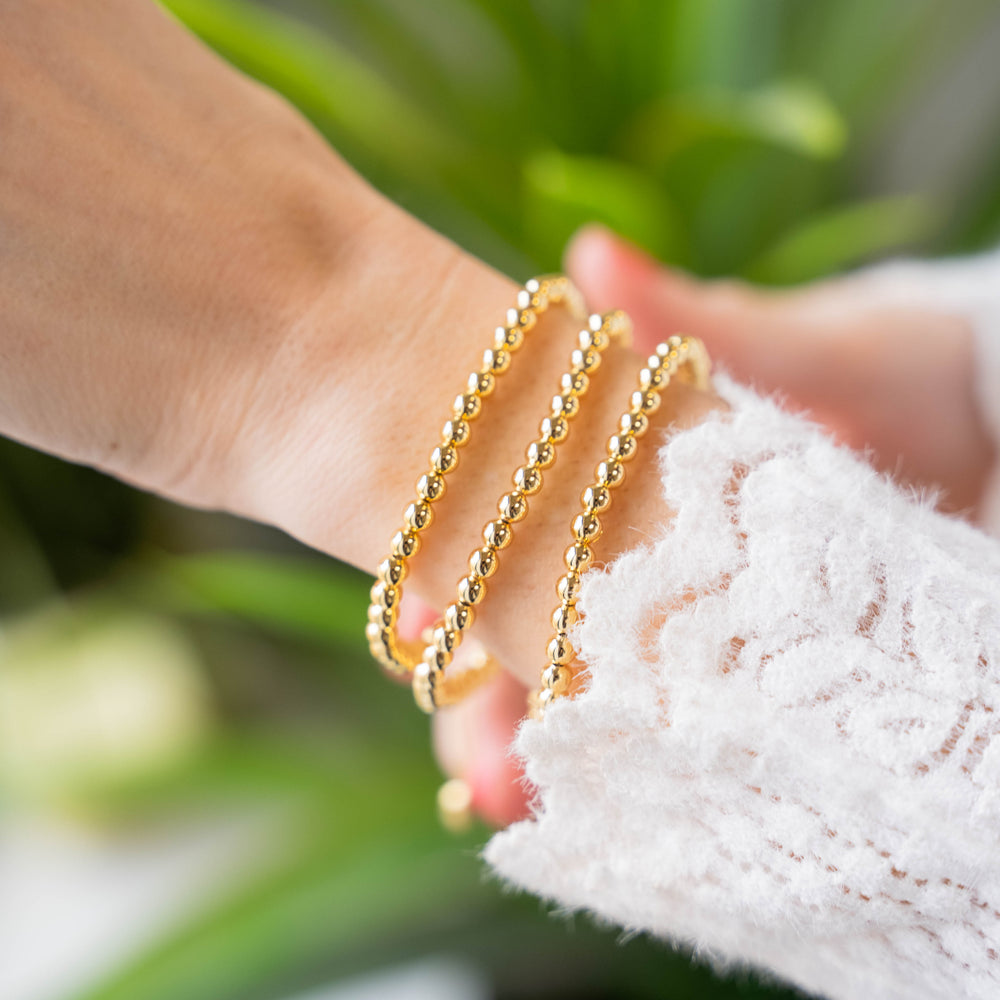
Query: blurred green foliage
[(727, 137)]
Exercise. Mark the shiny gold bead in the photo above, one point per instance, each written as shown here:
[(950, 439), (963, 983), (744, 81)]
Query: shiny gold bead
[(596, 499), (496, 361), (586, 361), (544, 698), (498, 534), (587, 527), (528, 480), (508, 338), (458, 617), (513, 506), (541, 454), (564, 618), (404, 544), (575, 383), (578, 558), (482, 383), (596, 340), (483, 562), (446, 640), (645, 401), (455, 432), (392, 570), (565, 405), (385, 597), (523, 318), (467, 405), (557, 678), (554, 429), (383, 617), (663, 349), (635, 424), (374, 633), (610, 473), (418, 516), (435, 660), (621, 446), (471, 590), (560, 650), (568, 587), (431, 487), (444, 458), (653, 377)]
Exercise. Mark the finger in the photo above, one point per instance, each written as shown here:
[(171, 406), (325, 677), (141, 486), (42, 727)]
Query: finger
[(472, 741), (753, 335)]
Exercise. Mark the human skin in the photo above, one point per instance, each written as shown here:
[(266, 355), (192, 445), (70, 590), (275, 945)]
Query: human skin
[(200, 297)]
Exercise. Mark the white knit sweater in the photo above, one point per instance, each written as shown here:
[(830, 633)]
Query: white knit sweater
[(786, 753)]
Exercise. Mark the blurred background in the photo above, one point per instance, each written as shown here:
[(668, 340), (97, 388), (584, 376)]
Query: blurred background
[(207, 791)]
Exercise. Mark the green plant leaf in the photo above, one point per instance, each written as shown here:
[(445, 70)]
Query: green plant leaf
[(302, 597), (564, 192), (834, 240), (792, 115)]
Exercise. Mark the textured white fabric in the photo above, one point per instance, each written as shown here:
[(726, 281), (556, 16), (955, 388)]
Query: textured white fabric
[(786, 753)]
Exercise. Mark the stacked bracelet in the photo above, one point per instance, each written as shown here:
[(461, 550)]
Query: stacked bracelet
[(395, 654), (432, 687), (682, 356)]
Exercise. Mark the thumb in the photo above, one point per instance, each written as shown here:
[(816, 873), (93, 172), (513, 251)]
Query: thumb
[(733, 320)]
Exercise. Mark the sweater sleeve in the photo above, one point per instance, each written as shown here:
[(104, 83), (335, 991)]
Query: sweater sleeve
[(786, 753)]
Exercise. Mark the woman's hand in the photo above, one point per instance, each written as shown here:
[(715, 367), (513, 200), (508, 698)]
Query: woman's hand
[(895, 382)]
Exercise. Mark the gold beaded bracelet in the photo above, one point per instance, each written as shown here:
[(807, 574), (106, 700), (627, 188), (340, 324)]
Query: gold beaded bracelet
[(402, 656), (433, 688), (682, 356)]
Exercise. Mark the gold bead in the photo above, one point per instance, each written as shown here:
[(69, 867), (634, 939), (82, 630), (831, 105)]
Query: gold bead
[(458, 617), (586, 361), (596, 499), (541, 454), (568, 587), (483, 563), (446, 640), (587, 527), (645, 401), (525, 319), (565, 406), (385, 597), (467, 405), (663, 349), (508, 338), (482, 383), (621, 446), (471, 590), (554, 429), (423, 689), (676, 342), (435, 659), (578, 557), (513, 506), (575, 383), (392, 570), (444, 459), (528, 480), (418, 516), (560, 650), (498, 534), (404, 544), (496, 360), (557, 678), (374, 633), (383, 617), (564, 618), (652, 377), (610, 473), (635, 424), (455, 432), (431, 487), (545, 698)]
